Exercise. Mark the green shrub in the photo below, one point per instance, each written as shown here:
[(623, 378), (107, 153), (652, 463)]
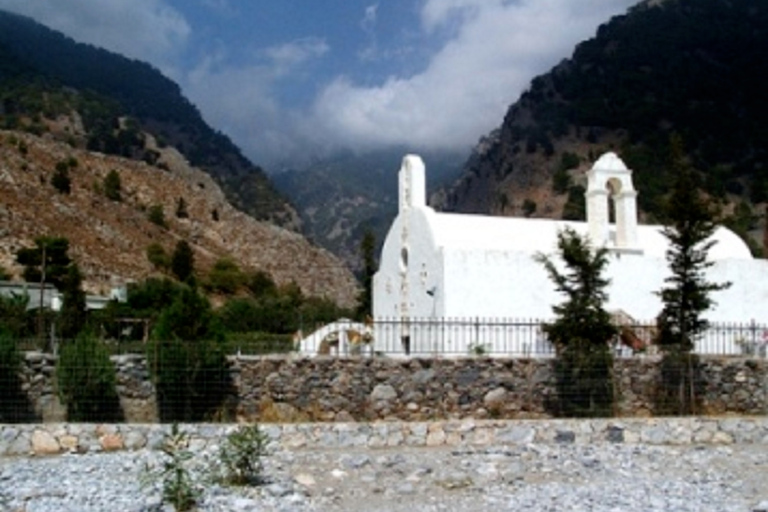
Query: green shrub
[(241, 456), (188, 361), (87, 382), (225, 276), (14, 405), (113, 186), (178, 485), (156, 216)]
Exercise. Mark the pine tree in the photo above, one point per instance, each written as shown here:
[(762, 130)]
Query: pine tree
[(687, 294), (113, 186), (582, 330), (183, 261), (72, 316), (365, 299)]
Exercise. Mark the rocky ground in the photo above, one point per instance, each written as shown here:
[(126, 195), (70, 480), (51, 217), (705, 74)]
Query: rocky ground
[(533, 477)]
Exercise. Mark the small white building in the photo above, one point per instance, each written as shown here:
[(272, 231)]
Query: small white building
[(446, 265)]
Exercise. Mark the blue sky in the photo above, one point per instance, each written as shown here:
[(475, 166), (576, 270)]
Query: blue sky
[(304, 77)]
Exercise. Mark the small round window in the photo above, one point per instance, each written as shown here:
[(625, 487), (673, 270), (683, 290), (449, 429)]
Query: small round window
[(403, 259)]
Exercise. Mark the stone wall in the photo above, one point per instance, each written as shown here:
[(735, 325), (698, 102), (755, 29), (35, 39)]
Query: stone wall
[(55, 438), (291, 389)]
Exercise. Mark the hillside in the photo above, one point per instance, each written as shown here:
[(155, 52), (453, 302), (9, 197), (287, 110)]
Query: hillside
[(696, 68), (109, 238), (342, 196), (44, 74)]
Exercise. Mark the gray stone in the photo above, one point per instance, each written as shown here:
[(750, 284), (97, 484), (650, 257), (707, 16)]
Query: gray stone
[(383, 393)]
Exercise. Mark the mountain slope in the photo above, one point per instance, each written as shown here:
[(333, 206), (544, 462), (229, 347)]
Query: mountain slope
[(109, 238), (343, 196), (43, 73), (692, 67)]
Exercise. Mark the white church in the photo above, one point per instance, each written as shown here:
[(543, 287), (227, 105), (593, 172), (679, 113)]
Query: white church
[(439, 266)]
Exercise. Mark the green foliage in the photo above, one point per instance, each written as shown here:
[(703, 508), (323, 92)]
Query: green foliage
[(87, 382), (260, 284), (14, 405), (13, 315), (561, 180), (687, 294), (49, 257), (179, 488), (574, 208), (60, 179), (367, 253), (156, 215), (158, 257), (72, 317), (582, 330), (112, 186), (187, 360), (241, 456), (182, 261), (151, 296), (225, 277)]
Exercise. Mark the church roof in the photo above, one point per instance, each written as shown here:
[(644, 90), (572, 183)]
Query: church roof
[(515, 234)]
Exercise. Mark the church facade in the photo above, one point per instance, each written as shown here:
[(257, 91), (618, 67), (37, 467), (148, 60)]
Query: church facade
[(444, 265)]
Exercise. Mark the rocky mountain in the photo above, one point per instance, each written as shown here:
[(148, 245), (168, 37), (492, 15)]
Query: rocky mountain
[(695, 68), (342, 196), (44, 74), (109, 237)]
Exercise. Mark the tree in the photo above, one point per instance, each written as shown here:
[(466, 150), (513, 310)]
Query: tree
[(687, 294), (14, 405), (183, 261), (113, 186), (367, 252), (46, 262), (158, 257), (156, 216), (225, 276), (260, 284), (187, 360), (87, 381), (60, 179), (72, 316), (582, 329)]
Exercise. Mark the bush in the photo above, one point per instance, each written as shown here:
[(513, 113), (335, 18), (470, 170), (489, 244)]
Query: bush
[(188, 361), (113, 186), (156, 216), (60, 179), (225, 276), (14, 405), (178, 485), (158, 257), (241, 456), (87, 382)]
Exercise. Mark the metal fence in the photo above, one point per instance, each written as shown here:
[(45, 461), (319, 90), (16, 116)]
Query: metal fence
[(526, 338)]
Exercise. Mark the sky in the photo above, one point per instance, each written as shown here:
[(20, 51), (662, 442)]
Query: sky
[(301, 78)]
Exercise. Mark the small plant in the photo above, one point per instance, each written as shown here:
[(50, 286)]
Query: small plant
[(179, 487), (241, 456), (156, 216), (478, 349)]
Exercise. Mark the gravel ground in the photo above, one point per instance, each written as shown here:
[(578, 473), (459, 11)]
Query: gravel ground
[(560, 477)]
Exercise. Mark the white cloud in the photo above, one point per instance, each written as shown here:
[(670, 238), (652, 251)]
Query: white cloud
[(496, 49), (149, 30), (288, 56), (241, 99)]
